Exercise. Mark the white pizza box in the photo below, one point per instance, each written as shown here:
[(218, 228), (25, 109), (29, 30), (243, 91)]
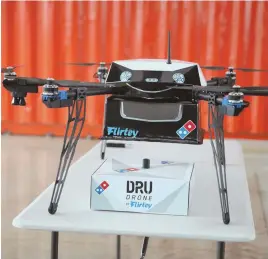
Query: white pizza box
[(164, 188)]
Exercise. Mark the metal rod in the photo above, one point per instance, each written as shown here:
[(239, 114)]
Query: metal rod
[(76, 116), (144, 247), (118, 247), (54, 245), (220, 250), (215, 122)]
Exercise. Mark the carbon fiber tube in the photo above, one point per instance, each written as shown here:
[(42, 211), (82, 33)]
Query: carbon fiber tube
[(206, 97), (97, 91), (30, 81), (255, 92)]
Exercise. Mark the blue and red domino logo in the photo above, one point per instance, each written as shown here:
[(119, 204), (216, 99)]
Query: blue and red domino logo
[(102, 187), (127, 170), (186, 129)]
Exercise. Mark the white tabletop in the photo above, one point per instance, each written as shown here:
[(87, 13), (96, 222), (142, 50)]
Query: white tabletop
[(204, 220)]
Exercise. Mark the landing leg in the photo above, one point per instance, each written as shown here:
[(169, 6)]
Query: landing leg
[(216, 124), (76, 116)]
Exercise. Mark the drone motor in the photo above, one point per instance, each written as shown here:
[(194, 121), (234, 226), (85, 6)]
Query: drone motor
[(236, 96), (231, 76), (50, 90), (10, 75), (9, 72), (102, 72)]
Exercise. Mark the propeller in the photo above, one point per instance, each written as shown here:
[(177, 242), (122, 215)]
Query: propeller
[(88, 64), (250, 90), (234, 68), (247, 90), (75, 84), (32, 81), (9, 69)]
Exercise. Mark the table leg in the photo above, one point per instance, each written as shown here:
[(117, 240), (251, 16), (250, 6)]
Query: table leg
[(118, 247), (220, 250), (54, 245), (144, 247)]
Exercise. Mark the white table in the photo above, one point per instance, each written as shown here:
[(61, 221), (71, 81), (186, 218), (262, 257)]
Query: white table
[(204, 220)]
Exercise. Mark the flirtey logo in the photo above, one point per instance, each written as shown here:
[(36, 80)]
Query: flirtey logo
[(116, 131), (139, 194), (137, 204)]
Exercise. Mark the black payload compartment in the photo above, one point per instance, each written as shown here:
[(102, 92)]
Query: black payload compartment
[(147, 120)]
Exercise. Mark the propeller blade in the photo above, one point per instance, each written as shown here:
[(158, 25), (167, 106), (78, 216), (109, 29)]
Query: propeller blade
[(87, 64), (9, 68), (251, 70), (81, 64), (214, 67), (24, 81), (234, 68)]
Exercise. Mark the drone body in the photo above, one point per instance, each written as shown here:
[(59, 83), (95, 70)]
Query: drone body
[(138, 115), (146, 100), (148, 112)]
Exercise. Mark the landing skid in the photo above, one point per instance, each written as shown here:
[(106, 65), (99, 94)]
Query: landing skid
[(76, 116), (215, 125)]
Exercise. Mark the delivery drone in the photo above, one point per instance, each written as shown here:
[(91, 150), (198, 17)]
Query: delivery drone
[(146, 100)]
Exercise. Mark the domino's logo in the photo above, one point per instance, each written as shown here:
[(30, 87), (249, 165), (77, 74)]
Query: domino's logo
[(127, 170), (186, 129), (102, 187)]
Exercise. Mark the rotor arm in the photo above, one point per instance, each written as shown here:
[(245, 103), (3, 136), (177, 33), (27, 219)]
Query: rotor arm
[(73, 94), (53, 98), (209, 97), (19, 87), (255, 91)]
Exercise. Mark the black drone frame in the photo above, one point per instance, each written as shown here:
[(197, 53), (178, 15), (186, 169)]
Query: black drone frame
[(216, 92), (75, 99)]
